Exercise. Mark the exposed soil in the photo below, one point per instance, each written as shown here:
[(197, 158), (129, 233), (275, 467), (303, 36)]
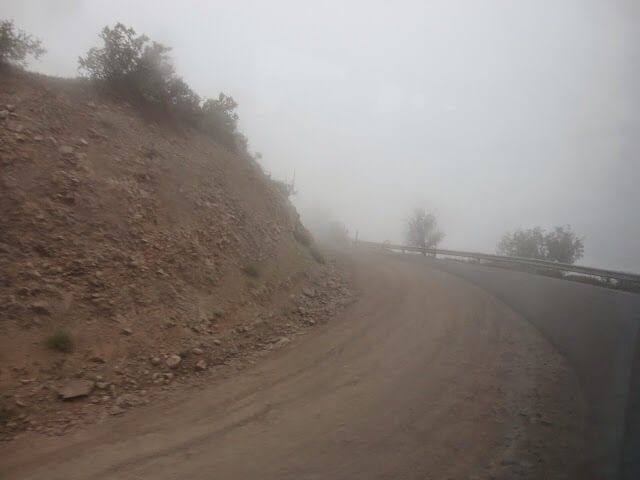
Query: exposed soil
[(132, 235)]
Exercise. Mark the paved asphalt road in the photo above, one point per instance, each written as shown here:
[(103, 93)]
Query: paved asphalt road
[(597, 330)]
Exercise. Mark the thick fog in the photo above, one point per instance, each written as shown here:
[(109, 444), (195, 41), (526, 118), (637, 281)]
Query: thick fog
[(492, 115)]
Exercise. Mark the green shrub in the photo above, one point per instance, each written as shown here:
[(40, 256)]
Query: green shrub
[(60, 342), (317, 254), (137, 67), (252, 270), (16, 45)]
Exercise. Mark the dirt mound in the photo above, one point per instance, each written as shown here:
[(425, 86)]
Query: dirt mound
[(158, 252)]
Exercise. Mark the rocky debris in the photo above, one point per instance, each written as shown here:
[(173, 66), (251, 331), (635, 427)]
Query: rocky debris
[(197, 351), (201, 365), (173, 361), (219, 312), (155, 360), (126, 331), (82, 142), (75, 388), (4, 114)]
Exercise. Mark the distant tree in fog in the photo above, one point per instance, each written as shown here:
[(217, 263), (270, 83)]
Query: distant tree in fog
[(16, 45), (422, 230), (523, 243), (563, 245), (560, 245)]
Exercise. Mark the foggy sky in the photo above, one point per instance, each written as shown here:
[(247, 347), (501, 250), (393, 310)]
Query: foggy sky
[(493, 115)]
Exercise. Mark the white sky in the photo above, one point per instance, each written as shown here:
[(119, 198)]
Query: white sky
[(493, 115)]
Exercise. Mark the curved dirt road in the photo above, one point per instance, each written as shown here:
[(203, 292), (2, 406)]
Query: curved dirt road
[(425, 376)]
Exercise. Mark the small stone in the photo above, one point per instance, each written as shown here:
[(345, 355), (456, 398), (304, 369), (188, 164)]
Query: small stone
[(217, 342), (116, 411), (82, 142), (66, 150), (4, 114), (75, 389), (219, 312), (21, 403), (282, 342), (308, 292), (15, 127), (201, 365), (97, 359), (197, 351), (155, 360), (102, 385), (545, 422), (41, 307), (91, 105), (11, 108), (173, 361), (38, 138), (126, 400), (126, 331)]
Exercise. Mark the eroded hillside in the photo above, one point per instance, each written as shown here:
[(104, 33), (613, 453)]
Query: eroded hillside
[(158, 252)]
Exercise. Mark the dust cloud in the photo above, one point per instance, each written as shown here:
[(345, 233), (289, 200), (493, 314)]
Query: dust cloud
[(491, 115)]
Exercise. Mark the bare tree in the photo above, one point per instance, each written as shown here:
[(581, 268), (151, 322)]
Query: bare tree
[(422, 230)]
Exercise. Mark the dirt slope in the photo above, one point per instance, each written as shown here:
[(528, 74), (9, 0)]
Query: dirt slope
[(424, 377), (130, 233)]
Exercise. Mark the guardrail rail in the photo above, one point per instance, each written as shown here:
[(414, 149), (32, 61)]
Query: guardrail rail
[(566, 267)]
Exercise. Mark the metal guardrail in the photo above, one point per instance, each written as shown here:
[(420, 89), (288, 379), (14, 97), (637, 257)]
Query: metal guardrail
[(599, 272)]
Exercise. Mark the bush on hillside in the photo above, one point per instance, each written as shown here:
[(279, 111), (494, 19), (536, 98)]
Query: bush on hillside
[(60, 342), (16, 45), (139, 68), (219, 119), (134, 65)]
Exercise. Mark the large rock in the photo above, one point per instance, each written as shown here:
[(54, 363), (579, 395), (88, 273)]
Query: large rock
[(75, 389)]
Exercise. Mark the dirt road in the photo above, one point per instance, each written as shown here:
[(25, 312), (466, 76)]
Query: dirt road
[(425, 376)]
